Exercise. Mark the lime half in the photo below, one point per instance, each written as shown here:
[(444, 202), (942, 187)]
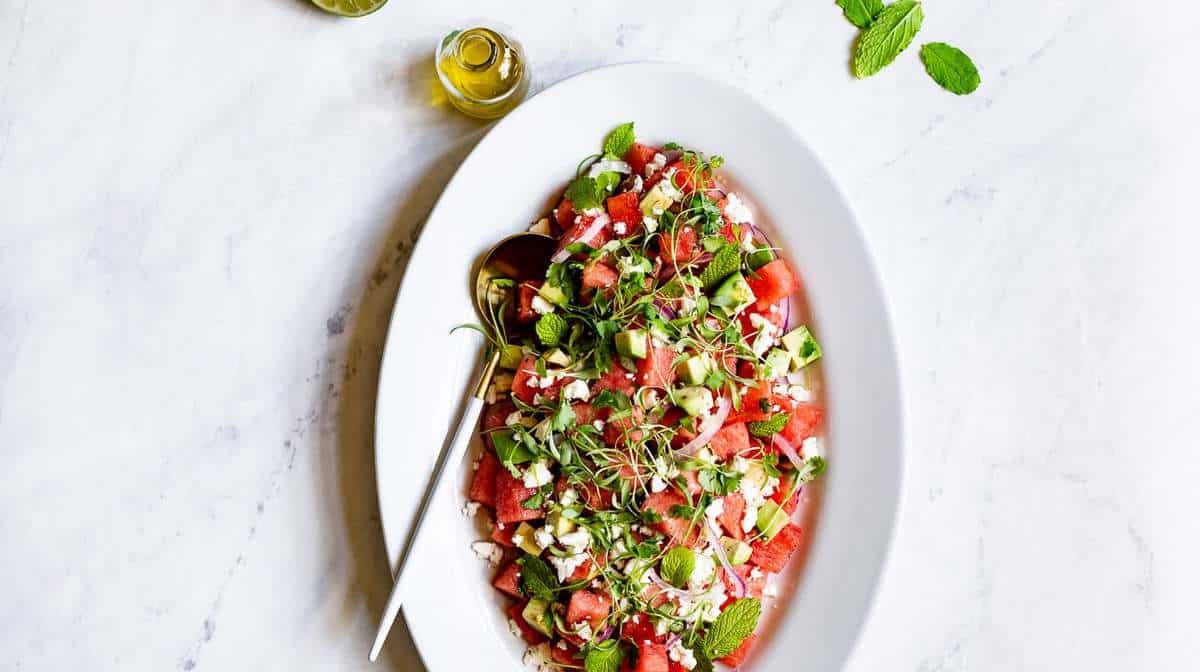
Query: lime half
[(350, 7)]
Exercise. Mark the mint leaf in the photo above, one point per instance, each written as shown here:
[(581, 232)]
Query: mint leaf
[(950, 67), (564, 417), (603, 657), (537, 579), (607, 182), (677, 565), (550, 328), (861, 12), (731, 627), (891, 33), (724, 263), (619, 141), (763, 429), (583, 194)]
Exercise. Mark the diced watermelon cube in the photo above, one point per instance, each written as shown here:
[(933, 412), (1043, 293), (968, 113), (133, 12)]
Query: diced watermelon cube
[(494, 415), (773, 555), (752, 408), (619, 429), (639, 628), (595, 497), (652, 657), (510, 492), (731, 516), (678, 247), (754, 585), (564, 214), (624, 208), (483, 482), (802, 423), (528, 633), (582, 231), (616, 379), (772, 282), (739, 654), (639, 155), (586, 605), (508, 580), (687, 178), (657, 368), (730, 440), (503, 534), (521, 388), (675, 528), (599, 275), (566, 655), (747, 326)]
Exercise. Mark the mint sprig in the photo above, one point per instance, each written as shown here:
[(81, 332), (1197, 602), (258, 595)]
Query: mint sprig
[(678, 565), (618, 142), (537, 579), (605, 656), (950, 68), (890, 34), (550, 328), (763, 429), (733, 625), (861, 12), (584, 194)]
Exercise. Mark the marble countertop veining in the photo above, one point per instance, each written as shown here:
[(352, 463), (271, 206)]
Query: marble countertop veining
[(205, 209)]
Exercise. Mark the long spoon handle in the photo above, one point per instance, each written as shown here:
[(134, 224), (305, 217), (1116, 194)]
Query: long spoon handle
[(454, 455)]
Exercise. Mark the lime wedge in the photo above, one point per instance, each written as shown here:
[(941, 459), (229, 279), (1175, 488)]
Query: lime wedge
[(350, 7)]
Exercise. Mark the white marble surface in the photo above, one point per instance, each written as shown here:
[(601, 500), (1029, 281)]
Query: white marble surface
[(205, 209)]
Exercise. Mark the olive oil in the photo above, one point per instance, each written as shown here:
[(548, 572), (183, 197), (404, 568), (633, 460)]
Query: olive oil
[(483, 71)]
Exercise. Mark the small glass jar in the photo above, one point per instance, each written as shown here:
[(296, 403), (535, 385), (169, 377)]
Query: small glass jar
[(483, 71)]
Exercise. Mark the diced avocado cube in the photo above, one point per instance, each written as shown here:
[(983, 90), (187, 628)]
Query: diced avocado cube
[(733, 294), (557, 357), (524, 534), (694, 400), (771, 519), (695, 369), (559, 524), (553, 293), (510, 357), (778, 362), (535, 615), (759, 258), (632, 343), (736, 550), (803, 347), (655, 201)]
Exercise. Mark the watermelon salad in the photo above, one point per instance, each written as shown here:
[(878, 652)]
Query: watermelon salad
[(647, 444)]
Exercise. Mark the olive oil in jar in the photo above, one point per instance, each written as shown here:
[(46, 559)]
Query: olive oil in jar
[(483, 71)]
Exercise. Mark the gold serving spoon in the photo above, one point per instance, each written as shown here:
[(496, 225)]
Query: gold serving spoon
[(515, 259)]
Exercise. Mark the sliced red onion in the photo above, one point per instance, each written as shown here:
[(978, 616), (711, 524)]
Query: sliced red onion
[(711, 427), (668, 588), (588, 234), (789, 450), (672, 641), (785, 308), (714, 539), (609, 165), (603, 634)]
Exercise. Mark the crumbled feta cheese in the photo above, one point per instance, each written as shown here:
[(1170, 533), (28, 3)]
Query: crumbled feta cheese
[(656, 164), (750, 517), (706, 606), (748, 243), (650, 224), (619, 228), (687, 305), (514, 628), (668, 188), (541, 306), (542, 430), (594, 212), (638, 185), (771, 485), (541, 226), (543, 537), (714, 510), (577, 541), (736, 210), (518, 539), (576, 389), (471, 509), (661, 626), (565, 567), (770, 590), (569, 497), (799, 393), (537, 475), (811, 447), (706, 455), (703, 572), (539, 658), (682, 655), (514, 418), (486, 550), (584, 631), (740, 464), (599, 425), (657, 484), (756, 573)]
